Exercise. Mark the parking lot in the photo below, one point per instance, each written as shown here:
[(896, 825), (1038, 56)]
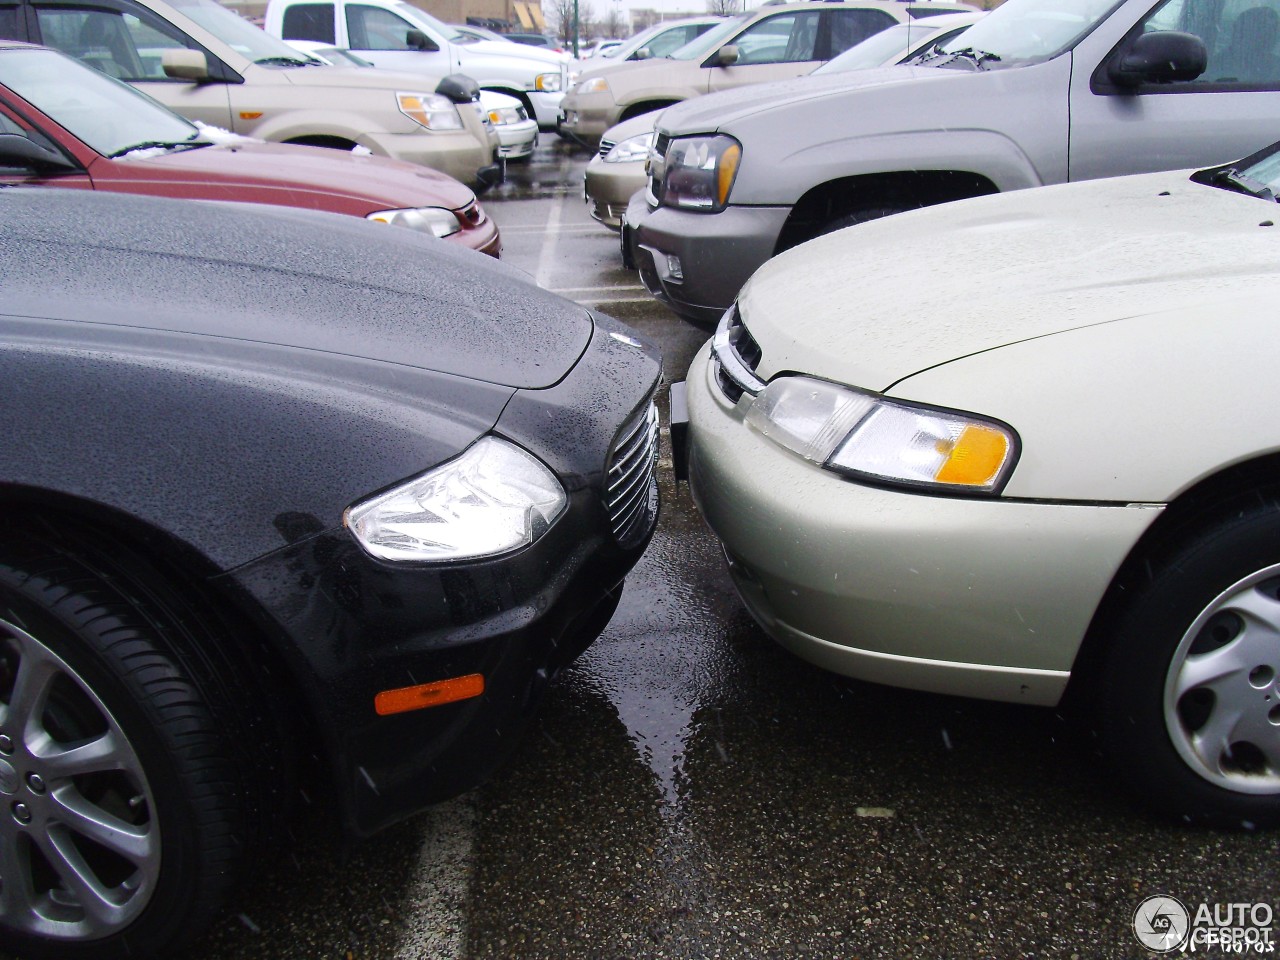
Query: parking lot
[(691, 790)]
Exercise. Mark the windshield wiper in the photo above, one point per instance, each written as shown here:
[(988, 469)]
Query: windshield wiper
[(159, 145), (1243, 183), (976, 57), (286, 62)]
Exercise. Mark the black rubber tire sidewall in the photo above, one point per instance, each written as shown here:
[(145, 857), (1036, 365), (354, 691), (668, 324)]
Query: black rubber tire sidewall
[(195, 823), (1145, 637)]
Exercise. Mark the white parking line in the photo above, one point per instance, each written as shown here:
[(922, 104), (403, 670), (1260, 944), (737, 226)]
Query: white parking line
[(546, 259), (436, 901)]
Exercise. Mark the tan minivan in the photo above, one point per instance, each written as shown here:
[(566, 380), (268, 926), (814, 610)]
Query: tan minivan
[(776, 42), (210, 65)]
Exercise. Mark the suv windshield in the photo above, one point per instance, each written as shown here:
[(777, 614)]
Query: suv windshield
[(239, 34), (713, 38), (1022, 31), (109, 116)]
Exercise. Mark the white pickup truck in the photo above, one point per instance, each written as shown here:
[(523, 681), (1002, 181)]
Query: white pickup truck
[(398, 36)]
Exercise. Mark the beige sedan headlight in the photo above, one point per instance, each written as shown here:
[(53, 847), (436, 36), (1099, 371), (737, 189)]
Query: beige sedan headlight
[(873, 438), (434, 220)]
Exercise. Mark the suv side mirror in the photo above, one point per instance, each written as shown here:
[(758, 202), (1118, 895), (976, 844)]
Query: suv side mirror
[(726, 56), (184, 64), (417, 40), (23, 153), (459, 88), (1165, 56)]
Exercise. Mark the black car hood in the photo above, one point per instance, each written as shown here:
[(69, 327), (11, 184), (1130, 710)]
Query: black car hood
[(382, 293)]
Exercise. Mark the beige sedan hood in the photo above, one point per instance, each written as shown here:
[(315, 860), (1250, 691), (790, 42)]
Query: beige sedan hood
[(878, 302)]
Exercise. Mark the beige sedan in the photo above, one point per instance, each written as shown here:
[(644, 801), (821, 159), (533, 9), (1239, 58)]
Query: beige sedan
[(1024, 448), (776, 42)]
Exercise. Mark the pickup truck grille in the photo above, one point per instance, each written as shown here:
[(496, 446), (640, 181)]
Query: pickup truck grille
[(631, 480)]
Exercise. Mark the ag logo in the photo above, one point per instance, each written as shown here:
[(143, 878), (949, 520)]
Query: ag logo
[(1161, 924)]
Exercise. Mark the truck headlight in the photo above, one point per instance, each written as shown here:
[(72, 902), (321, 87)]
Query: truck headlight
[(870, 437), (700, 171), (547, 82), (494, 498), (430, 110), (434, 220), (632, 148)]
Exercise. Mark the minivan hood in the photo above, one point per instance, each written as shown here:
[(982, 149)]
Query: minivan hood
[(367, 183), (719, 111), (234, 272), (875, 303)]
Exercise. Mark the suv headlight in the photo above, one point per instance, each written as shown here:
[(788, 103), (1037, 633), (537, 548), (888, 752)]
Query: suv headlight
[(870, 437), (592, 85), (547, 82), (700, 172), (434, 220), (431, 110), (494, 498), (632, 148)]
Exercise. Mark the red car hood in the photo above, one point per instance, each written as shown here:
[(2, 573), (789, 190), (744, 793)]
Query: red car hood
[(285, 174)]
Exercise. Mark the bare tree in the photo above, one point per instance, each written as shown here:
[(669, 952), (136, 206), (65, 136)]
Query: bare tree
[(724, 8), (614, 24), (561, 13)]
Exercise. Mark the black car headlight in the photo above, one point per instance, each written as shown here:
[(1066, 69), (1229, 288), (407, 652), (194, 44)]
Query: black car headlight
[(494, 498)]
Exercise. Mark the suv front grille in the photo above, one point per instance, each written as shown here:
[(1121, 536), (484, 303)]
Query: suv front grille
[(631, 480)]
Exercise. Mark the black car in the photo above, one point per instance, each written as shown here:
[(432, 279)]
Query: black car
[(278, 485)]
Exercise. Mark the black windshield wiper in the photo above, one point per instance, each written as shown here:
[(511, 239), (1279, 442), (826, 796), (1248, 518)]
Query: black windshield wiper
[(159, 145), (1243, 183), (286, 62), (976, 57)]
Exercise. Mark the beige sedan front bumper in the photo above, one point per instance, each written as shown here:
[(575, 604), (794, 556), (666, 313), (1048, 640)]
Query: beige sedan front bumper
[(987, 598)]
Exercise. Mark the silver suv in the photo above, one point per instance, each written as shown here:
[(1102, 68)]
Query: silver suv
[(1038, 92)]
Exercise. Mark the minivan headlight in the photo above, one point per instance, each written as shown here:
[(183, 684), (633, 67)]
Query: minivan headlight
[(630, 149), (547, 82), (434, 220), (431, 110), (494, 498), (868, 436), (700, 171)]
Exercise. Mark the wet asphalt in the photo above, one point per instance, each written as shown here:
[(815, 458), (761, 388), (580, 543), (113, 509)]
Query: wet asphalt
[(690, 790)]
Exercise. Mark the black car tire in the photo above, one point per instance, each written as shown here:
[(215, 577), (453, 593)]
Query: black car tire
[(109, 663), (862, 215), (1170, 683)]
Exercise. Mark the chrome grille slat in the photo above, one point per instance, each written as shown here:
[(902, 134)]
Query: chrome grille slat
[(606, 146), (631, 478)]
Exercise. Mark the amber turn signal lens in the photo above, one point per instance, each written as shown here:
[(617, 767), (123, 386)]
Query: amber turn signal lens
[(404, 699)]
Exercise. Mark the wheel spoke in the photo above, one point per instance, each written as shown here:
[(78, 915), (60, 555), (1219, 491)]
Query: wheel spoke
[(107, 752), (36, 673), (1212, 740), (1260, 610), (1210, 669), (79, 879), (77, 814), (15, 880)]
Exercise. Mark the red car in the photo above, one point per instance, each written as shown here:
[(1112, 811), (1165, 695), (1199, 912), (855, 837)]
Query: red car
[(64, 124)]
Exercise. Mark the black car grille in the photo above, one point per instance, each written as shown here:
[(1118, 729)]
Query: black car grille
[(631, 480), (605, 147)]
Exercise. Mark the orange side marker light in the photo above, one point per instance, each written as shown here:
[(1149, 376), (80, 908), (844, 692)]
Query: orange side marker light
[(404, 699)]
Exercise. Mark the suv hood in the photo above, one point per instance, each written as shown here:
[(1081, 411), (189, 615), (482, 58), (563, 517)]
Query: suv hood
[(718, 111), (876, 303), (235, 272), (325, 76), (369, 183)]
